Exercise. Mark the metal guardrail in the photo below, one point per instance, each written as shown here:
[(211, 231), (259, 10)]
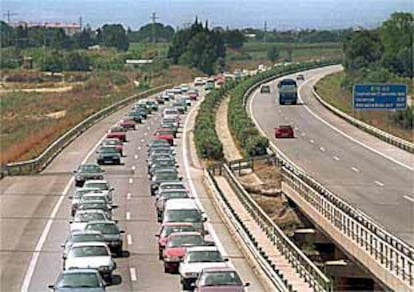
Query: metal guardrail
[(300, 262), (390, 251), (39, 163), (244, 233), (391, 139)]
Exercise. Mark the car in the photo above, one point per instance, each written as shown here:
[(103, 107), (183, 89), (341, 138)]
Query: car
[(185, 210), (284, 131), (80, 236), (176, 247), (199, 81), (77, 196), (170, 93), (95, 196), (175, 122), (166, 134), (157, 157), (193, 94), (143, 108), (164, 196), (157, 142), (94, 254), (108, 155), (152, 105), (196, 259), (160, 146), (170, 126), (185, 99), (83, 217), (168, 228), (96, 205), (300, 77), (184, 87), (181, 106), (161, 177), (136, 116), (128, 123), (219, 279), (170, 113), (114, 142), (86, 280), (177, 90), (102, 185), (117, 132), (162, 150), (87, 171), (265, 89), (160, 99), (111, 233), (159, 164)]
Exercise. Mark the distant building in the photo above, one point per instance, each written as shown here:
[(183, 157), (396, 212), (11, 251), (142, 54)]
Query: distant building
[(70, 29), (250, 35)]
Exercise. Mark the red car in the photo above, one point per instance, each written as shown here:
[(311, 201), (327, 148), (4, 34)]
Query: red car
[(117, 132), (159, 99), (128, 124), (165, 134), (284, 131), (193, 95), (169, 228), (176, 248), (115, 143)]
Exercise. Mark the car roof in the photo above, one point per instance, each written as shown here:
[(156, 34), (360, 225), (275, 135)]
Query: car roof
[(96, 180), (80, 232), (171, 183), (102, 222), (77, 271), (91, 211), (174, 191), (89, 243), (219, 269), (185, 233), (181, 204), (203, 248), (172, 224)]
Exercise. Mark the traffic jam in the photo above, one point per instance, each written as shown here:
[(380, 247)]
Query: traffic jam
[(185, 247)]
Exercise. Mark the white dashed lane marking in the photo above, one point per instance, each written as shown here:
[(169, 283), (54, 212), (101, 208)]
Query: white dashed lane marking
[(128, 215), (379, 183), (128, 196), (322, 149), (131, 180), (136, 156), (354, 169), (133, 274), (336, 158), (129, 239), (411, 199), (311, 141)]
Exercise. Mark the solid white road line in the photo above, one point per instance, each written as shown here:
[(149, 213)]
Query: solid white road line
[(411, 199), (354, 169), (129, 239), (35, 256), (379, 183), (133, 274), (128, 215), (336, 158)]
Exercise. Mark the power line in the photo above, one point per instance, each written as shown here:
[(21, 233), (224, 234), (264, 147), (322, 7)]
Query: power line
[(154, 18), (9, 14)]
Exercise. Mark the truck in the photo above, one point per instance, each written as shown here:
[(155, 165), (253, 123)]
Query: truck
[(288, 91)]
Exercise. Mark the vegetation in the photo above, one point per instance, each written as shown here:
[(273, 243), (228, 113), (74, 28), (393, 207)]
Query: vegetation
[(162, 33), (198, 47), (272, 54)]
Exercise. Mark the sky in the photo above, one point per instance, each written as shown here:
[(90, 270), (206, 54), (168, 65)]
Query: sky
[(279, 14)]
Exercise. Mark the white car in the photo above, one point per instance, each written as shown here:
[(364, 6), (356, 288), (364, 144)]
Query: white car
[(177, 90), (77, 196), (80, 236), (184, 88), (95, 196), (83, 217), (196, 259), (170, 113), (103, 185), (199, 81), (91, 255)]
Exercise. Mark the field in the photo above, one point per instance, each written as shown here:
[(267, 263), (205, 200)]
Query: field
[(330, 90), (254, 53)]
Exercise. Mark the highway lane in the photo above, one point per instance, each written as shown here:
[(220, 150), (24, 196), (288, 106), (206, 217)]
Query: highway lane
[(376, 184), (28, 203)]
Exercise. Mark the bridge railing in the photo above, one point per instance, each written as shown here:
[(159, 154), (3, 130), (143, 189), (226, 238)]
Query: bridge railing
[(301, 263), (39, 163)]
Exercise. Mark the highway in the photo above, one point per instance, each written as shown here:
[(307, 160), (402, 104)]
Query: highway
[(371, 175), (35, 212)]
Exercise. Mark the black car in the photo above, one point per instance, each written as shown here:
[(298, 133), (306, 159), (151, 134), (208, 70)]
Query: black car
[(88, 171), (97, 205), (136, 116), (161, 177), (111, 233), (87, 280)]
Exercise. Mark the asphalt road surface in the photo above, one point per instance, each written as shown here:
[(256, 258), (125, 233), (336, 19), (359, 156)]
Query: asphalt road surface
[(35, 212), (370, 174)]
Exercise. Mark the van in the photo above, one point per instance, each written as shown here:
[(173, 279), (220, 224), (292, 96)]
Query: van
[(184, 210)]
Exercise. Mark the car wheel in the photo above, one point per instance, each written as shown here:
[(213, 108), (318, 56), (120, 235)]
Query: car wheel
[(166, 269), (160, 257)]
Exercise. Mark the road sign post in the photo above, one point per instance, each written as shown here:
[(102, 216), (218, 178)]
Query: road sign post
[(379, 97)]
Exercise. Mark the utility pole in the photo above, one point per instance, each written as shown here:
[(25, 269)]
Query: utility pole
[(8, 15), (80, 23), (154, 18), (265, 31)]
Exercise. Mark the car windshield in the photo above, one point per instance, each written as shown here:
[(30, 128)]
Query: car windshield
[(98, 185), (172, 186), (229, 278), (111, 142), (89, 216), (185, 240), (93, 205), (87, 237), (205, 256), (79, 193), (163, 132), (104, 228), (89, 168), (159, 142), (88, 251), (174, 195), (79, 280), (171, 112), (163, 163), (183, 216), (108, 150), (166, 176), (117, 129), (92, 198), (170, 229)]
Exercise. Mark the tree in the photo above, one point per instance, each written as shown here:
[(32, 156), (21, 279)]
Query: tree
[(114, 35), (362, 48), (6, 34), (75, 61), (272, 53), (52, 61), (233, 38)]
